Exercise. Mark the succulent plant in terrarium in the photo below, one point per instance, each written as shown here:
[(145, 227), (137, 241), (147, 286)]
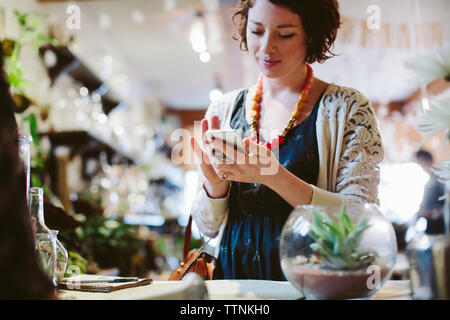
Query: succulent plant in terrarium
[(330, 252), (337, 242)]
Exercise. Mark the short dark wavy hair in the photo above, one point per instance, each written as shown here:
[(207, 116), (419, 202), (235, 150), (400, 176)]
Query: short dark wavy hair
[(320, 20)]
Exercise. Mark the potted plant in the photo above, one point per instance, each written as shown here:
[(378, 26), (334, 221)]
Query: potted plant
[(327, 255)]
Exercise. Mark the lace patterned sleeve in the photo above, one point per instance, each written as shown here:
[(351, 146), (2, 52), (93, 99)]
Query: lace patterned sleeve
[(358, 174), (209, 213)]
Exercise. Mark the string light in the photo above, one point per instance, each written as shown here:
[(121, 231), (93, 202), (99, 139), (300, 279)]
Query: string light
[(108, 60), (138, 17), (104, 21), (215, 94), (84, 91), (205, 57)]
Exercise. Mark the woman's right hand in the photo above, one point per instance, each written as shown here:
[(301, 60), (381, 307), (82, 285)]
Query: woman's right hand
[(215, 185)]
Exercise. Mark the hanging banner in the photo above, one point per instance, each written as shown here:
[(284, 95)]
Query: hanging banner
[(391, 35)]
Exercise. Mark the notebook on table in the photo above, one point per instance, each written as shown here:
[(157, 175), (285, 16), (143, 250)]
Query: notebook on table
[(95, 283)]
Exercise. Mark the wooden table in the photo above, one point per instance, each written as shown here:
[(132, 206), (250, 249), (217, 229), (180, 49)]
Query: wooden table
[(394, 290), (228, 290)]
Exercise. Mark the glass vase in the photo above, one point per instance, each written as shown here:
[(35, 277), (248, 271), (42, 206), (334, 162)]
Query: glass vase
[(429, 266), (45, 241), (24, 153), (62, 257), (331, 252)]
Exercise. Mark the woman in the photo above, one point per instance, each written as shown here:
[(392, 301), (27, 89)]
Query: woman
[(21, 276), (326, 145)]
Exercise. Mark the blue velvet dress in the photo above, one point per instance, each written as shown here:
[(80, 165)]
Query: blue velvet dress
[(250, 243)]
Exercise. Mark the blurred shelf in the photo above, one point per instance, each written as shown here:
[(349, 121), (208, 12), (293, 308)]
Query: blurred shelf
[(87, 146)]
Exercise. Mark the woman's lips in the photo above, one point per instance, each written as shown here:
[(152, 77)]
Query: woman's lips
[(270, 63)]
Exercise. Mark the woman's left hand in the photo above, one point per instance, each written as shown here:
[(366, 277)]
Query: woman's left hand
[(256, 165)]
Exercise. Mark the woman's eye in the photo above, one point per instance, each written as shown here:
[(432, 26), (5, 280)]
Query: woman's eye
[(286, 36), (256, 32)]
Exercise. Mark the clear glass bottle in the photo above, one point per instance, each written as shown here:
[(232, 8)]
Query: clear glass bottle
[(44, 239), (25, 141), (62, 257)]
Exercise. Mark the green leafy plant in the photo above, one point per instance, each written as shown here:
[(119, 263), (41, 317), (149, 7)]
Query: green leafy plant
[(31, 34), (14, 71), (110, 243), (31, 30), (337, 242), (75, 259)]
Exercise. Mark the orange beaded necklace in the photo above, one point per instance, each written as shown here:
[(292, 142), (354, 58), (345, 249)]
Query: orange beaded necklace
[(255, 112)]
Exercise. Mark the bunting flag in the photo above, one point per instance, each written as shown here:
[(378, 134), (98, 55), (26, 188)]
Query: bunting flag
[(392, 35)]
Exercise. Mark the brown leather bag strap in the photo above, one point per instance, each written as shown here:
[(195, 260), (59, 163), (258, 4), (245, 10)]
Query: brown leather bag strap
[(187, 239)]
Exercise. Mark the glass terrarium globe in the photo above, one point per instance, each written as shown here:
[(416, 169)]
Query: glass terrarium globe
[(332, 252)]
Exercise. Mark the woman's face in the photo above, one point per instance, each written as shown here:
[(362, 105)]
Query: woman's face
[(275, 39)]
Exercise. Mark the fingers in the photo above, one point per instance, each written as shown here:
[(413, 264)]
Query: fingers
[(206, 155), (215, 122), (258, 152), (213, 125), (222, 168), (246, 143), (205, 126), (198, 152), (252, 147), (211, 155), (229, 151)]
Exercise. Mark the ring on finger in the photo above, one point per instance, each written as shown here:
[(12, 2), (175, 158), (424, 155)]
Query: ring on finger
[(224, 175)]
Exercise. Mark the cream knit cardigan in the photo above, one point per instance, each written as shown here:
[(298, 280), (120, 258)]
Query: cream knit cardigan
[(349, 146)]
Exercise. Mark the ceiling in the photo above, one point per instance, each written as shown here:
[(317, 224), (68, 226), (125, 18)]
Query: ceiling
[(143, 48), (149, 45)]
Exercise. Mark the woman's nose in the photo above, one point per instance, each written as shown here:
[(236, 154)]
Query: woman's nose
[(268, 44)]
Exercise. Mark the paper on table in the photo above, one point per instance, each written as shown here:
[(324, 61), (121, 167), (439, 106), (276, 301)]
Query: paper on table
[(160, 290), (251, 289), (75, 283)]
